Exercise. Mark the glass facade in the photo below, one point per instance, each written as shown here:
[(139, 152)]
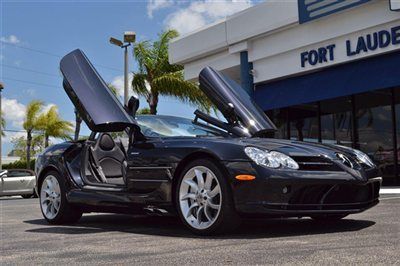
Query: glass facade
[(368, 121)]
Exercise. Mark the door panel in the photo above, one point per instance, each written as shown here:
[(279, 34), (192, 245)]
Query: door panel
[(97, 105), (148, 169), (17, 182)]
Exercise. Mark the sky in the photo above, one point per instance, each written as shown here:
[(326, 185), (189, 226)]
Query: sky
[(34, 35)]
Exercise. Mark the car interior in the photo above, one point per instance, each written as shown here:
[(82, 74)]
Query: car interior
[(106, 153)]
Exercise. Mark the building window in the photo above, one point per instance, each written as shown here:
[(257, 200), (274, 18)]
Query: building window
[(375, 128), (304, 122), (280, 118), (336, 121)]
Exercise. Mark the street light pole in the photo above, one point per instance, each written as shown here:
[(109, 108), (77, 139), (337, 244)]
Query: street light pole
[(129, 37), (126, 86), (1, 128)]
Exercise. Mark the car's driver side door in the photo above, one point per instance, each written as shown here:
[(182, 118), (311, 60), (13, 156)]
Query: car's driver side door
[(148, 168)]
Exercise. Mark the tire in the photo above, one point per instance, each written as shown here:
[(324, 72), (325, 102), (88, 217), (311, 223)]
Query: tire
[(328, 217), (66, 213), (215, 212), (27, 196)]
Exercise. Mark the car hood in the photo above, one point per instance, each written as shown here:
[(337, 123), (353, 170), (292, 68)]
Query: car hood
[(94, 101), (295, 148), (234, 103)]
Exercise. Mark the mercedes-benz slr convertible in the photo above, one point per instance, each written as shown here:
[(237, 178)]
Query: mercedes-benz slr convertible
[(211, 173)]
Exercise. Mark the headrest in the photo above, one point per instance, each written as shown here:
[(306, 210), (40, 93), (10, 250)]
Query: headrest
[(106, 142), (132, 106)]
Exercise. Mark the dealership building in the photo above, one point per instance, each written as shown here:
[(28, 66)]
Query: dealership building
[(323, 70)]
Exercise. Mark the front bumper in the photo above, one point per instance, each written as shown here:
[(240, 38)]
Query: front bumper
[(300, 193)]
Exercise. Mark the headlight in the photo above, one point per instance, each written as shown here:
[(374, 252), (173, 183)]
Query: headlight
[(364, 158), (272, 159)]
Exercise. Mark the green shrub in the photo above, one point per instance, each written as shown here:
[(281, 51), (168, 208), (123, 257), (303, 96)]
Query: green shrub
[(20, 164)]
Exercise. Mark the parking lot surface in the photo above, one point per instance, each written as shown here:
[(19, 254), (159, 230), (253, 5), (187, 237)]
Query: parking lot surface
[(372, 237)]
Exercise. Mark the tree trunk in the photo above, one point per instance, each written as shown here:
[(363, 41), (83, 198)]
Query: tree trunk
[(153, 103), (78, 121), (46, 140), (28, 149)]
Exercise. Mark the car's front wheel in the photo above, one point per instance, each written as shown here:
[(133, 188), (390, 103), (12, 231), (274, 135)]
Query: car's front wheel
[(53, 202), (204, 200)]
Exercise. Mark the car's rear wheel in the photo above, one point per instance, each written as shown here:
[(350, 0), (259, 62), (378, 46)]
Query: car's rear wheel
[(328, 217), (204, 200), (53, 202)]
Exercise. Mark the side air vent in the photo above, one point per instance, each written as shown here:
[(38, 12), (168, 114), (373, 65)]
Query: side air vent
[(345, 160), (316, 163)]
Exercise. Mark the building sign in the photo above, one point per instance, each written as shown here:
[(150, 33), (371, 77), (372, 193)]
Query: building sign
[(314, 9), (360, 45)]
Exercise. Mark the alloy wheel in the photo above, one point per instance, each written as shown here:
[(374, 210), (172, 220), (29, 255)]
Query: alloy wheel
[(50, 197), (200, 197)]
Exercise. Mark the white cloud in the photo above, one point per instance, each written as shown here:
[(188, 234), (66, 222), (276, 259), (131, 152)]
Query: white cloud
[(10, 136), (12, 39), (118, 83), (14, 111), (185, 20), (201, 13), (154, 5), (47, 107)]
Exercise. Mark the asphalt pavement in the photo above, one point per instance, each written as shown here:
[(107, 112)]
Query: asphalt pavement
[(372, 237)]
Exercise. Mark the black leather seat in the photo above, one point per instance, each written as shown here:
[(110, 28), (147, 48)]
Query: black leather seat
[(109, 156)]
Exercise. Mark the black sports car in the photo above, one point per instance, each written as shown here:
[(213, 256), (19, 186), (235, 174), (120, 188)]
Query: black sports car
[(209, 172)]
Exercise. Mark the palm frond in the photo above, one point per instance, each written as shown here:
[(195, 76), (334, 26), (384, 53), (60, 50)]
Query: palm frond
[(143, 54), (139, 84), (160, 48), (2, 124), (53, 125), (32, 111), (173, 85)]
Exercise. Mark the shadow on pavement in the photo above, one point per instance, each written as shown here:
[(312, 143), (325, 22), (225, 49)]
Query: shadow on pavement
[(172, 227)]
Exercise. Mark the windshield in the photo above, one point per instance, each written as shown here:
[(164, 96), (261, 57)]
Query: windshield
[(169, 126)]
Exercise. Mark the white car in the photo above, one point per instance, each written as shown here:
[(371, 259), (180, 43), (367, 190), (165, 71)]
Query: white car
[(17, 182)]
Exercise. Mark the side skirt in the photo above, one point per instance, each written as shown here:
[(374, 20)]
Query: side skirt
[(116, 200)]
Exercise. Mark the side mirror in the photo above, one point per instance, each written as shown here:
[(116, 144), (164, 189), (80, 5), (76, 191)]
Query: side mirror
[(132, 106)]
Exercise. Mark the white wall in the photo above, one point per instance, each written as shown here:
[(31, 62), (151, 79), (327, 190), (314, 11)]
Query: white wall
[(275, 40), (278, 55), (210, 46)]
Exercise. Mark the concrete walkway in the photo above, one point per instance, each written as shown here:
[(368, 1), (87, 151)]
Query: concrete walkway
[(389, 190)]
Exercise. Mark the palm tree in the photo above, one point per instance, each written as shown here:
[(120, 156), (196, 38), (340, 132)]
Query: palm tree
[(156, 76), (19, 145), (2, 124), (78, 122), (53, 126), (31, 123)]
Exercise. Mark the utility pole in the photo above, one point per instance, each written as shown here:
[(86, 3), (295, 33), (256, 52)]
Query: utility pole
[(1, 128), (129, 38)]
